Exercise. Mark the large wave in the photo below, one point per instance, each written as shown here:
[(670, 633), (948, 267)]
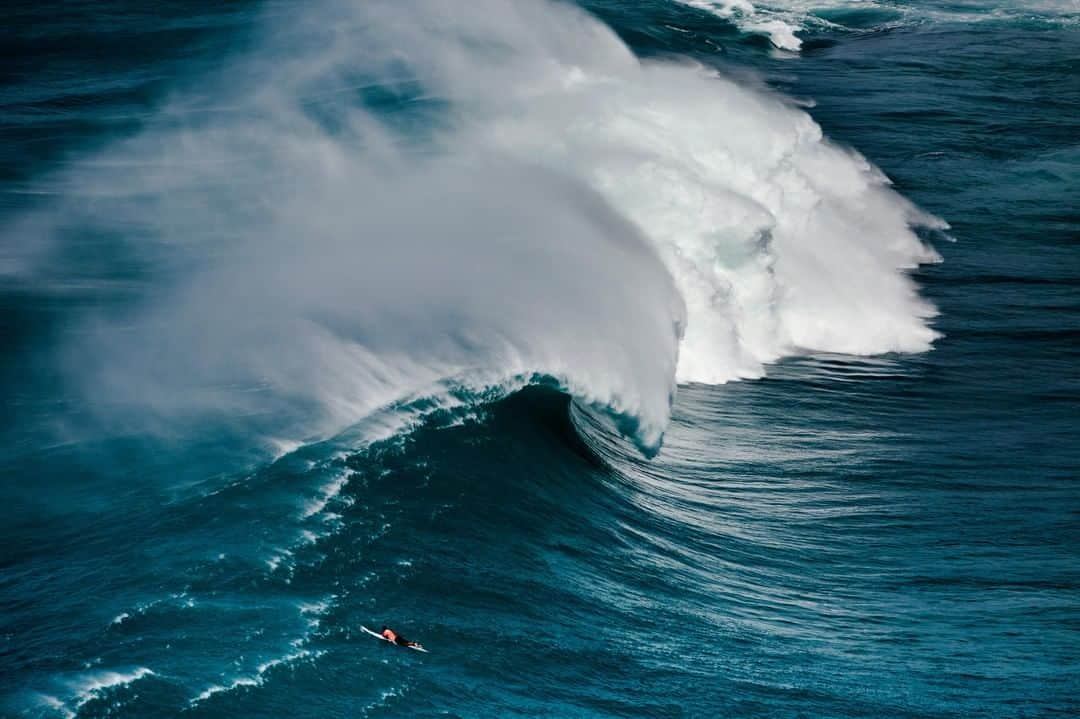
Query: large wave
[(383, 197)]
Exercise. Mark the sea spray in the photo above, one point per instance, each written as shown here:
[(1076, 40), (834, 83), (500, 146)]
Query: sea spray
[(396, 195)]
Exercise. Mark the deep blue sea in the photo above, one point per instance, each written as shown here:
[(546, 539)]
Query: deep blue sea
[(640, 358)]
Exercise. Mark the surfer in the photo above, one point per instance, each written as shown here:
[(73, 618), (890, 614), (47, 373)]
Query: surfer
[(391, 636)]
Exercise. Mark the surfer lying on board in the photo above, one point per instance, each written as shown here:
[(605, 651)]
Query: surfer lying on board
[(391, 636)]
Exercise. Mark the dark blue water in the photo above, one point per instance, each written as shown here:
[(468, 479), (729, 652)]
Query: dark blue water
[(892, 534)]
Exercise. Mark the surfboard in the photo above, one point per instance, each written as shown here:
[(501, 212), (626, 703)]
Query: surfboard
[(380, 636)]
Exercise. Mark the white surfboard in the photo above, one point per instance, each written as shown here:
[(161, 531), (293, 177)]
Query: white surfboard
[(380, 636)]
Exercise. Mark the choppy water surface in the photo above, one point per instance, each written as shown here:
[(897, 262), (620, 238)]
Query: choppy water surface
[(369, 313)]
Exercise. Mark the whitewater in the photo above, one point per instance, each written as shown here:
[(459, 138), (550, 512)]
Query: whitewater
[(384, 198)]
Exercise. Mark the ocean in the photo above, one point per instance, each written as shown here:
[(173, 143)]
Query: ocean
[(640, 359)]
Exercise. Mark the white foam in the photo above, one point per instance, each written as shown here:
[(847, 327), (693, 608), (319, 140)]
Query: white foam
[(315, 608), (284, 447), (779, 20), (326, 493), (257, 679), (780, 29), (573, 212), (56, 705), (780, 33), (778, 240), (92, 685), (218, 688), (274, 561)]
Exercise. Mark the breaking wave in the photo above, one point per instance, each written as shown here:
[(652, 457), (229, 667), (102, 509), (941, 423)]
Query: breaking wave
[(387, 200), (783, 21)]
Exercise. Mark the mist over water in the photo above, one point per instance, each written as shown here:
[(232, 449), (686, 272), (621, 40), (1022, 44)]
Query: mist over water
[(382, 196)]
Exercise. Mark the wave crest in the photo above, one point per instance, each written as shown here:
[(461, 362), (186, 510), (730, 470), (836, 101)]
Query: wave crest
[(385, 194)]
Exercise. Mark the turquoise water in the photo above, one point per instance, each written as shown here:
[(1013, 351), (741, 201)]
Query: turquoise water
[(328, 317)]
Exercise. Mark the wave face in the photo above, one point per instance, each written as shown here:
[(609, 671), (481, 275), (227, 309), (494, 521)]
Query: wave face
[(335, 314), (382, 197)]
